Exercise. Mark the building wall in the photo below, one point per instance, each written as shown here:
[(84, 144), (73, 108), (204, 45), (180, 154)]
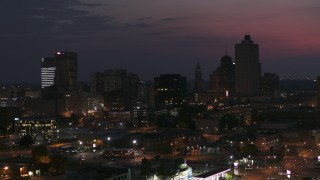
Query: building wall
[(170, 90), (66, 70), (38, 128), (48, 70), (247, 68)]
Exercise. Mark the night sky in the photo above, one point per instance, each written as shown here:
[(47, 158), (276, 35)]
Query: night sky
[(150, 37)]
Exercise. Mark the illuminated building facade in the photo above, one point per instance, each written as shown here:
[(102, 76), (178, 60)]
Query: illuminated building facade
[(215, 174), (40, 129), (48, 69), (60, 70)]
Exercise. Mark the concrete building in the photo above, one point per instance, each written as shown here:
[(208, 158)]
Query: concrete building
[(269, 84), (170, 90), (48, 71), (199, 83), (216, 174), (66, 70), (40, 129), (247, 68), (115, 80), (7, 117), (222, 79), (318, 91), (97, 83), (60, 70)]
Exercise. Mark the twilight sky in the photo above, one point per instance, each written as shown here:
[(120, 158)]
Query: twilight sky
[(150, 37)]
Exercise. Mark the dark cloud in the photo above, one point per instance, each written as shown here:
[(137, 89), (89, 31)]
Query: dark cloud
[(145, 18), (47, 17), (167, 19), (137, 25)]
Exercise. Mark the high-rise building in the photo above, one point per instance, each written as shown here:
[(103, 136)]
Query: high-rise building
[(115, 80), (170, 90), (48, 70), (66, 70), (97, 83), (318, 91), (60, 71), (198, 86), (247, 68), (222, 79), (269, 84), (145, 93), (8, 115)]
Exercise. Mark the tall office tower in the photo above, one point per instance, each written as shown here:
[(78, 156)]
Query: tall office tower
[(48, 70), (133, 81), (248, 68), (198, 86), (222, 79), (145, 93), (318, 91), (97, 83), (269, 84), (115, 80), (170, 90), (66, 75)]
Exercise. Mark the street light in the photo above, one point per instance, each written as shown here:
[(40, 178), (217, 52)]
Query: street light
[(79, 146), (108, 141), (134, 143), (265, 160)]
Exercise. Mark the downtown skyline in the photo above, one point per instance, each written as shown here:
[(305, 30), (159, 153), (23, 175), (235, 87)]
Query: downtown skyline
[(158, 37)]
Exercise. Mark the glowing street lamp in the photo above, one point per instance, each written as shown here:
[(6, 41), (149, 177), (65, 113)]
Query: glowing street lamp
[(108, 141), (134, 143)]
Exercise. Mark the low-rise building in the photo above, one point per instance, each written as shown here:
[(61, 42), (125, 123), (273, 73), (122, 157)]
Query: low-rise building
[(40, 129)]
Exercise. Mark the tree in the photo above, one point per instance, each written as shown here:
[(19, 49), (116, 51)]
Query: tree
[(57, 164), (177, 163), (40, 154), (228, 176), (249, 149), (145, 167), (74, 119), (26, 141), (280, 155)]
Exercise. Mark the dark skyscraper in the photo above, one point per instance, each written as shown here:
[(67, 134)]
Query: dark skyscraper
[(222, 79), (170, 90), (97, 83), (318, 91), (248, 68), (198, 86), (115, 80), (269, 84), (66, 75)]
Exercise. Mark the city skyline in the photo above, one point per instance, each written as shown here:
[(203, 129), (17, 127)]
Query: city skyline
[(164, 37)]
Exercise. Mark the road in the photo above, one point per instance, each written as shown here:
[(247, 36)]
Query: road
[(5, 154)]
